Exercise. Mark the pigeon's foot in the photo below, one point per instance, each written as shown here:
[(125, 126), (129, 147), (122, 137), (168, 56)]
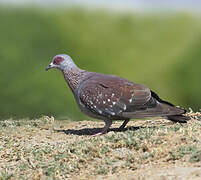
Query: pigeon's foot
[(124, 124), (108, 123), (99, 134)]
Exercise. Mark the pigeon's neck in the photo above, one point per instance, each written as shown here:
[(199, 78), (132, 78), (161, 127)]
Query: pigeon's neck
[(73, 76)]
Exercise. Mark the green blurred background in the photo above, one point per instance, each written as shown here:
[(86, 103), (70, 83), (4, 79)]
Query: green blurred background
[(162, 51)]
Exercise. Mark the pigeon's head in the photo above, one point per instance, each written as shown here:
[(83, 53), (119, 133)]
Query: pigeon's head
[(61, 61)]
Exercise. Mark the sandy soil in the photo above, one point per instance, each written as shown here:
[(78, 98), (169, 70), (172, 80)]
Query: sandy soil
[(45, 148)]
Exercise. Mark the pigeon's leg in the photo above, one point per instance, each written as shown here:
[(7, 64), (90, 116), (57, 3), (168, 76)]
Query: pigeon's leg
[(124, 124), (108, 123)]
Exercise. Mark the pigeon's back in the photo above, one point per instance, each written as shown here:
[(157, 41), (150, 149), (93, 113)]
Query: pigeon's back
[(108, 96), (111, 97)]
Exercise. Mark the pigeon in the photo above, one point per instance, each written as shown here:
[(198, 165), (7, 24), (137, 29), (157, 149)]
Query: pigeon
[(109, 97)]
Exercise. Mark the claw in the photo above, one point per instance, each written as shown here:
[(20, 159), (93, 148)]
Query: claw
[(104, 131), (99, 134)]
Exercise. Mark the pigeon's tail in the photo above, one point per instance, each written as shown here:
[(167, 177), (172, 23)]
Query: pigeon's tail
[(173, 113), (178, 118)]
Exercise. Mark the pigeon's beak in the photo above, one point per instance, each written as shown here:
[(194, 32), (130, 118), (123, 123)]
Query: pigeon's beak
[(50, 66)]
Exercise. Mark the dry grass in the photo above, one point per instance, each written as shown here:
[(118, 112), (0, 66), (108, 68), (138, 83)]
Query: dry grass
[(148, 149)]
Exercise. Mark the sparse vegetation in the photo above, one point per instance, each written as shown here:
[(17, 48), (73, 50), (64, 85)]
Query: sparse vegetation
[(49, 149)]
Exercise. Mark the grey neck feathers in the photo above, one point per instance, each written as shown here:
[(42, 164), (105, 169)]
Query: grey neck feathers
[(73, 75)]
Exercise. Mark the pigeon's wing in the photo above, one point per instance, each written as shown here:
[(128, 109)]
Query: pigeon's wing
[(112, 96)]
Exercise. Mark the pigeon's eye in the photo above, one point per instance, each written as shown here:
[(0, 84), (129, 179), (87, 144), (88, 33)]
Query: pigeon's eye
[(58, 60)]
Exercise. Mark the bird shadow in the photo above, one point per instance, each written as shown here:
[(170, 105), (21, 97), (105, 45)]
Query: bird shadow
[(92, 131)]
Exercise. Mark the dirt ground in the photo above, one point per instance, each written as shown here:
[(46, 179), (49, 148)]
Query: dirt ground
[(154, 149)]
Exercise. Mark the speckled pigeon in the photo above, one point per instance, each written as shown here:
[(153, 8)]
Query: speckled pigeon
[(108, 97)]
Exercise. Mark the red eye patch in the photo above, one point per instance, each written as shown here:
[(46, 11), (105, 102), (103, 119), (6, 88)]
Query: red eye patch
[(58, 60)]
